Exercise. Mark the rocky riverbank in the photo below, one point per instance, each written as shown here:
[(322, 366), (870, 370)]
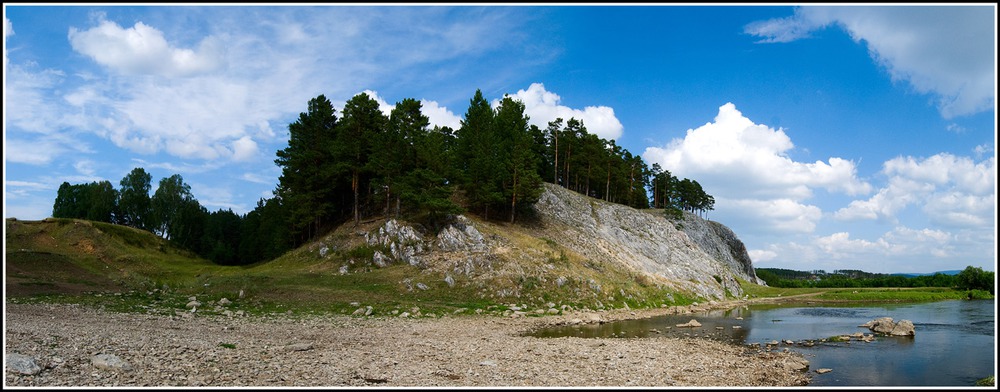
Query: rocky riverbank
[(78, 346)]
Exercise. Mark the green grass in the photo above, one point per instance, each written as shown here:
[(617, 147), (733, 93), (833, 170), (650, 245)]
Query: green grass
[(880, 294), (128, 270)]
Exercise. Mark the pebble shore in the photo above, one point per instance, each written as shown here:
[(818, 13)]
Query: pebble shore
[(78, 346)]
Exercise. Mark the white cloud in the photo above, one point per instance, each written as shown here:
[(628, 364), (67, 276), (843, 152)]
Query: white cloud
[(26, 100), (436, 114), (383, 106), (171, 90), (769, 217), (244, 149), (440, 115), (36, 152), (543, 106), (952, 191), (946, 51), (143, 50), (982, 149), (893, 251), (759, 255), (734, 158)]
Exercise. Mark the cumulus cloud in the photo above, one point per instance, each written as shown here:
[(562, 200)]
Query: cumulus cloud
[(383, 106), (244, 149), (543, 106), (946, 51), (735, 158), (143, 50), (953, 191), (440, 115)]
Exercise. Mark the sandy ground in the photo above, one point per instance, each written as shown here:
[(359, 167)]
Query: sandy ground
[(71, 346)]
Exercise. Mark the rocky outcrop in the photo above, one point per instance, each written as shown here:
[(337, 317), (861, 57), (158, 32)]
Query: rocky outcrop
[(721, 243), (696, 255), (886, 326)]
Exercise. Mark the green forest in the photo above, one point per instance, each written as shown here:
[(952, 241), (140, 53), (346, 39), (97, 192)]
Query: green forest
[(971, 278), (360, 164)]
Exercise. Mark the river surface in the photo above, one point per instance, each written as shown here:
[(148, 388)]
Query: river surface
[(954, 343)]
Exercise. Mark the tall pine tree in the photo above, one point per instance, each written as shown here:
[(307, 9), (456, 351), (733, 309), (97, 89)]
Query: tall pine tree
[(306, 184)]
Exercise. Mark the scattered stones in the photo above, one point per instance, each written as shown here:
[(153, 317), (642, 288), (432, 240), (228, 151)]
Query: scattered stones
[(338, 350)]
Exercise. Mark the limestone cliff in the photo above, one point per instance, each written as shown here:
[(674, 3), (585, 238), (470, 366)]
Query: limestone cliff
[(577, 249), (694, 254)]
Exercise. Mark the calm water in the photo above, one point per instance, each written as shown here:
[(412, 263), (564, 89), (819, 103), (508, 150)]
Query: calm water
[(955, 342)]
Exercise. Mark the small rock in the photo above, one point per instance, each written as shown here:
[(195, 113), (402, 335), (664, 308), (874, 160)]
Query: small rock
[(299, 347), (690, 324), (823, 370), (109, 362)]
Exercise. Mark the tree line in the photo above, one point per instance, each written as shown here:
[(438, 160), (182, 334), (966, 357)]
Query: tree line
[(361, 163), (173, 213), (971, 278)]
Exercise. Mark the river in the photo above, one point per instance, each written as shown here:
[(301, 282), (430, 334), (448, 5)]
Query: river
[(954, 343)]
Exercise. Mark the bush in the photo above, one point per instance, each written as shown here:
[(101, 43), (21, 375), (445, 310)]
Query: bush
[(978, 294)]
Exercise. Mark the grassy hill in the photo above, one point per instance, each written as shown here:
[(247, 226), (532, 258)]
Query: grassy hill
[(82, 261), (68, 256)]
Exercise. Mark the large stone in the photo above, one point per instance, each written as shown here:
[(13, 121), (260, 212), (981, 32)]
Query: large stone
[(22, 364), (886, 326)]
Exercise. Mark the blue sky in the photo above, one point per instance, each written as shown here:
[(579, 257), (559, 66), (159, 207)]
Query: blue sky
[(836, 137)]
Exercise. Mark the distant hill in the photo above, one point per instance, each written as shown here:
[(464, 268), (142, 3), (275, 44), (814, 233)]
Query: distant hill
[(910, 275)]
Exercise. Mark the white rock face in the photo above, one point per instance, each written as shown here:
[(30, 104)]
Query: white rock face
[(691, 258)]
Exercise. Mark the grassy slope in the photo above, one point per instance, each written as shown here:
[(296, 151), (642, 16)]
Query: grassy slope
[(66, 260), (71, 260), (57, 256)]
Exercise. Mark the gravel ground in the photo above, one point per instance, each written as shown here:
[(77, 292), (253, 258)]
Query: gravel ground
[(76, 346)]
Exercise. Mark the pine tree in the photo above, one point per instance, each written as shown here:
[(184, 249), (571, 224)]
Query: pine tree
[(362, 122), (306, 183)]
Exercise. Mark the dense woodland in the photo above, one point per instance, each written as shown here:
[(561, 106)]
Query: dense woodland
[(359, 164)]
